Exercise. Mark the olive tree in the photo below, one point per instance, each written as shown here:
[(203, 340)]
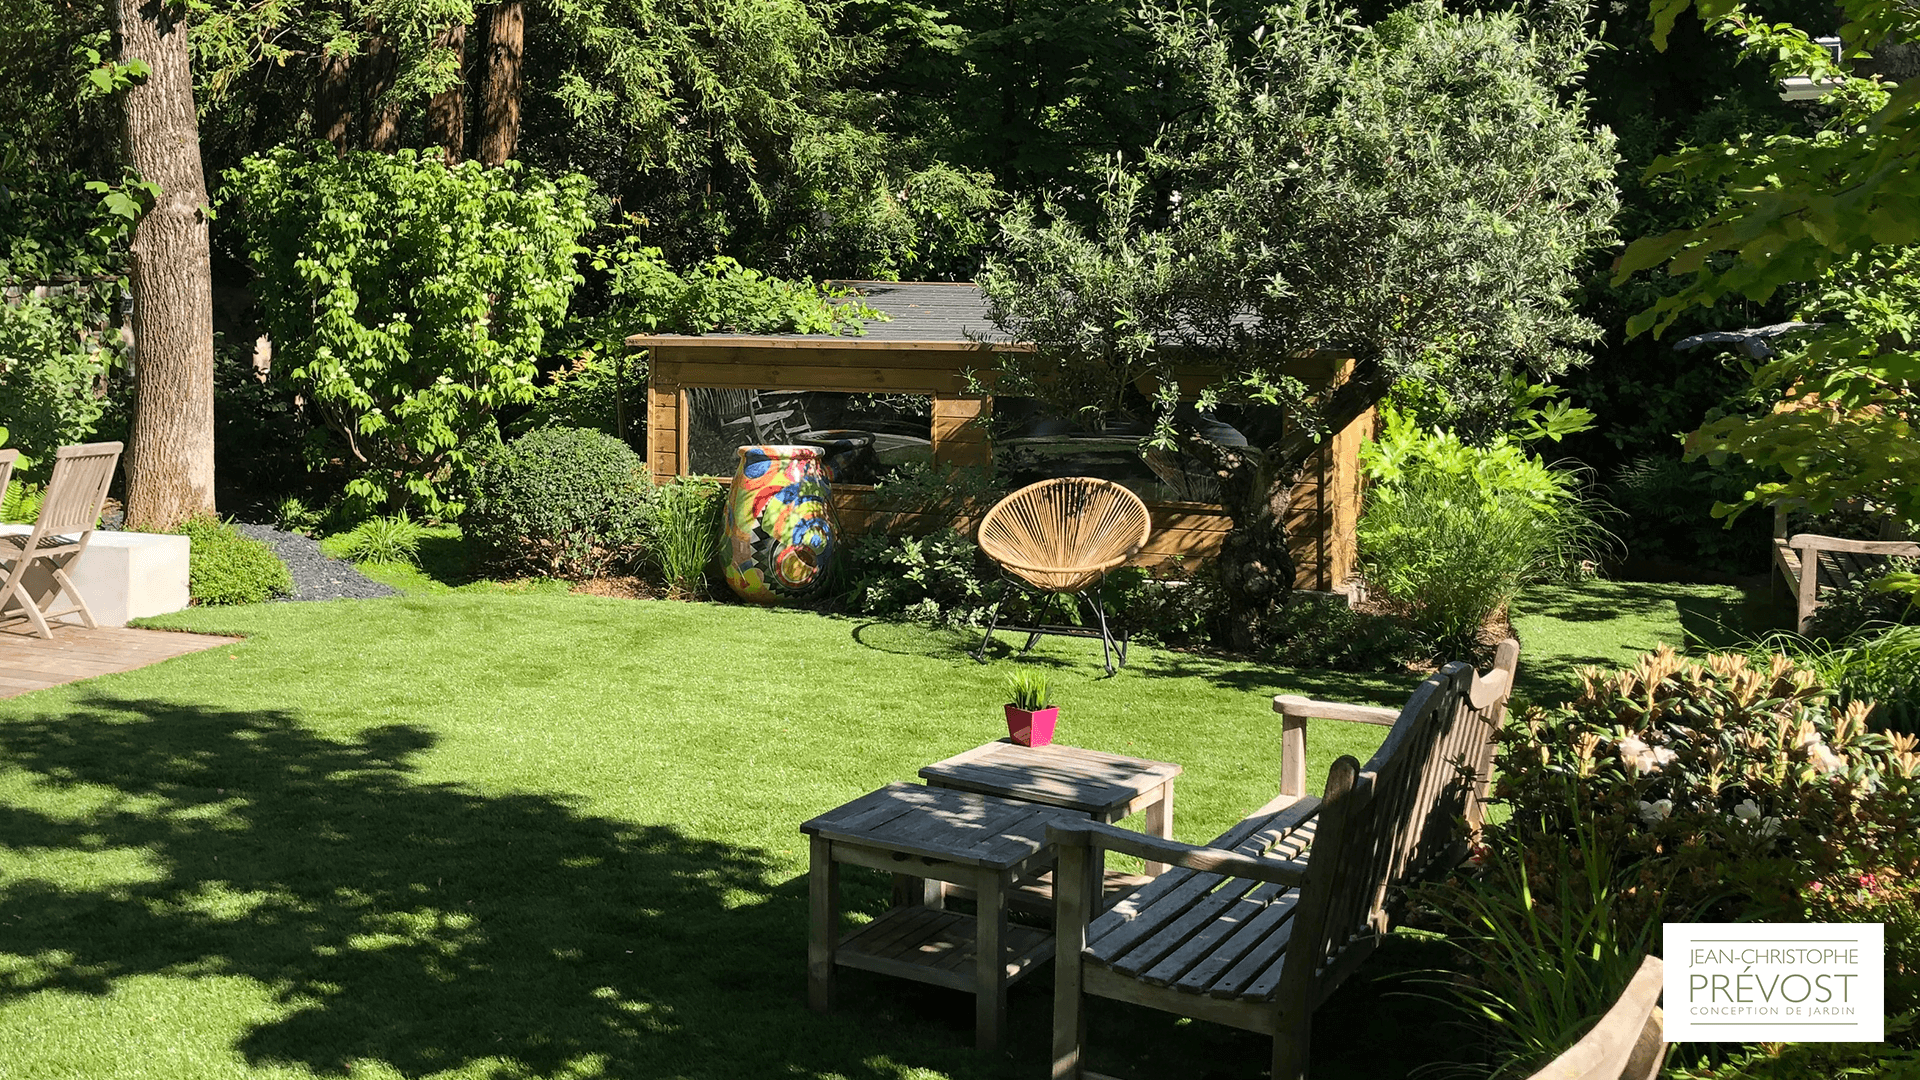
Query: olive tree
[(1415, 193)]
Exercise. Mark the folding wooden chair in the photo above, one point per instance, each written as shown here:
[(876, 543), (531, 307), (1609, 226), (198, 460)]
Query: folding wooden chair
[(7, 458), (68, 514)]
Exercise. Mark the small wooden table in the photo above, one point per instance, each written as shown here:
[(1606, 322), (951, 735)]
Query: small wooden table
[(976, 841), (1106, 787)]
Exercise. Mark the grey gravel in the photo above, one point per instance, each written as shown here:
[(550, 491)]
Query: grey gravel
[(316, 577)]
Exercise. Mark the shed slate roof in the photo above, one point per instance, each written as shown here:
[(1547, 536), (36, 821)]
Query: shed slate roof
[(920, 311)]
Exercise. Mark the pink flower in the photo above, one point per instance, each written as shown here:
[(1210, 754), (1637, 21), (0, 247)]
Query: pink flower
[(1815, 886)]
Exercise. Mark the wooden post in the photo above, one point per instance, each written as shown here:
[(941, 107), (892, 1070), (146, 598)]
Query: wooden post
[(1072, 912), (990, 961), (823, 930), (1293, 755), (1159, 823)]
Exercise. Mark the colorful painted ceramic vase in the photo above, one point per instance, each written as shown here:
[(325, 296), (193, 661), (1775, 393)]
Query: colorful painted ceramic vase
[(779, 526)]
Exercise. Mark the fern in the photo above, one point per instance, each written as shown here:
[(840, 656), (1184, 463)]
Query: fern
[(21, 503)]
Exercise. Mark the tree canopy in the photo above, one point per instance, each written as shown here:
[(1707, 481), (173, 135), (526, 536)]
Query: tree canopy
[(1833, 217), (1412, 194)]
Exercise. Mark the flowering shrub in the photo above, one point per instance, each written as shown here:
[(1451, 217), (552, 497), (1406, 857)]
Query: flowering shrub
[(1738, 783), (1881, 895)]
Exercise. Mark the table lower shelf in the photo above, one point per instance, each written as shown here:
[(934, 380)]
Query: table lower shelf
[(938, 947)]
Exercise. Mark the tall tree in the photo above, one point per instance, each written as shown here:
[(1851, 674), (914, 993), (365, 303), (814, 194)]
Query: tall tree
[(376, 104), (447, 110), (500, 94), (1414, 194), (169, 463), (333, 100)]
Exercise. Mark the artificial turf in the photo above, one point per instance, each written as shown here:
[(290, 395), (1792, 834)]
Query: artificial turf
[(495, 834)]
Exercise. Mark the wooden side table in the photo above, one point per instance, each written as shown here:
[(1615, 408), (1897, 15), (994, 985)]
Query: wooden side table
[(1106, 787), (979, 842)]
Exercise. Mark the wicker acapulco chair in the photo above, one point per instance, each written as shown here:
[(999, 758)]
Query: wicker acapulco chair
[(1061, 538)]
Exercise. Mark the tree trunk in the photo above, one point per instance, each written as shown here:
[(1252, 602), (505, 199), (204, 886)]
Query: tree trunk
[(500, 95), (169, 460), (447, 110), (1256, 565), (383, 117), (333, 101)]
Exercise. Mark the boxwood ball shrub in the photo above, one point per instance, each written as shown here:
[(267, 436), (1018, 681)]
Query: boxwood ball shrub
[(564, 502), (225, 567)]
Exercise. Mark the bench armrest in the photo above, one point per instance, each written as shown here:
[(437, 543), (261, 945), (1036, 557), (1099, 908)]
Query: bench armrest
[(1293, 705), (1192, 856), (1817, 542), (1295, 711)]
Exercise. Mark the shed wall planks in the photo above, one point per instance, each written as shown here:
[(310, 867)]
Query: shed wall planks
[(1321, 520)]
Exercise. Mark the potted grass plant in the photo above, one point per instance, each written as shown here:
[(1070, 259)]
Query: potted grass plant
[(1031, 713)]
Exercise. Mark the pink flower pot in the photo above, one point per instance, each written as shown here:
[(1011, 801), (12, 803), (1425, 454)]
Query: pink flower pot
[(1031, 728)]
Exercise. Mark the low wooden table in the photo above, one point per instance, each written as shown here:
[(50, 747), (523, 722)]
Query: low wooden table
[(978, 842), (1106, 787)]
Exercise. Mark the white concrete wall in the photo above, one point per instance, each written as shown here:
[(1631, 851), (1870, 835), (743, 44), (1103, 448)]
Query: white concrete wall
[(123, 576)]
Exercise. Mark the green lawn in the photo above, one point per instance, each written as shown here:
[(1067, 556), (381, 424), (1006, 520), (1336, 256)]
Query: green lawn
[(496, 834)]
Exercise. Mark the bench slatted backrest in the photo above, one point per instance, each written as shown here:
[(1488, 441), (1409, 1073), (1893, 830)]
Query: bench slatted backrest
[(1369, 824), (1455, 787)]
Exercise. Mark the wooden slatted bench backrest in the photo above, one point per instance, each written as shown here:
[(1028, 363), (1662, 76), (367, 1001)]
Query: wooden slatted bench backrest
[(1370, 824), (1454, 789)]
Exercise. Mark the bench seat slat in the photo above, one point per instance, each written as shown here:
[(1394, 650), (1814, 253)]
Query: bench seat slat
[(1181, 881), (1223, 920), (1167, 925), (1246, 978), (1265, 934)]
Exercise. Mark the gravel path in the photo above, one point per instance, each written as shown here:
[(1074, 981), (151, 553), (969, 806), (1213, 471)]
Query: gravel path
[(316, 577)]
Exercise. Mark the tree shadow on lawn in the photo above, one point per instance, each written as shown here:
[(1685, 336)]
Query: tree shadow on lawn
[(1706, 622), (945, 643), (426, 925)]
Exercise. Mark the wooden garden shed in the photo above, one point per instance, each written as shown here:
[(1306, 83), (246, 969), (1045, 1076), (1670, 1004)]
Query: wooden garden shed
[(903, 388)]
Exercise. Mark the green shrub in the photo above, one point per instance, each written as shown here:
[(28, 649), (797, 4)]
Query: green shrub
[(225, 567), (1331, 634), (394, 539), (294, 515), (1677, 791), (1550, 943), (563, 502), (592, 392), (1451, 531), (408, 300), (1878, 666), (1740, 782), (51, 358), (1894, 1059), (688, 533), (941, 579)]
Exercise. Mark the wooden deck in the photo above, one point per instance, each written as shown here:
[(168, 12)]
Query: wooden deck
[(29, 663)]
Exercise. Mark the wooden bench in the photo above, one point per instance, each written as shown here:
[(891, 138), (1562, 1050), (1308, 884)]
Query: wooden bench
[(1626, 1044), (1833, 560), (1256, 929)]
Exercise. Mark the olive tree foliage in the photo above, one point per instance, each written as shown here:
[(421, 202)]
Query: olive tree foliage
[(1415, 193), (1832, 218)]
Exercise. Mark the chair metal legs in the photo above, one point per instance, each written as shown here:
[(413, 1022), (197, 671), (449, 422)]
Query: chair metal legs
[(1113, 651)]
